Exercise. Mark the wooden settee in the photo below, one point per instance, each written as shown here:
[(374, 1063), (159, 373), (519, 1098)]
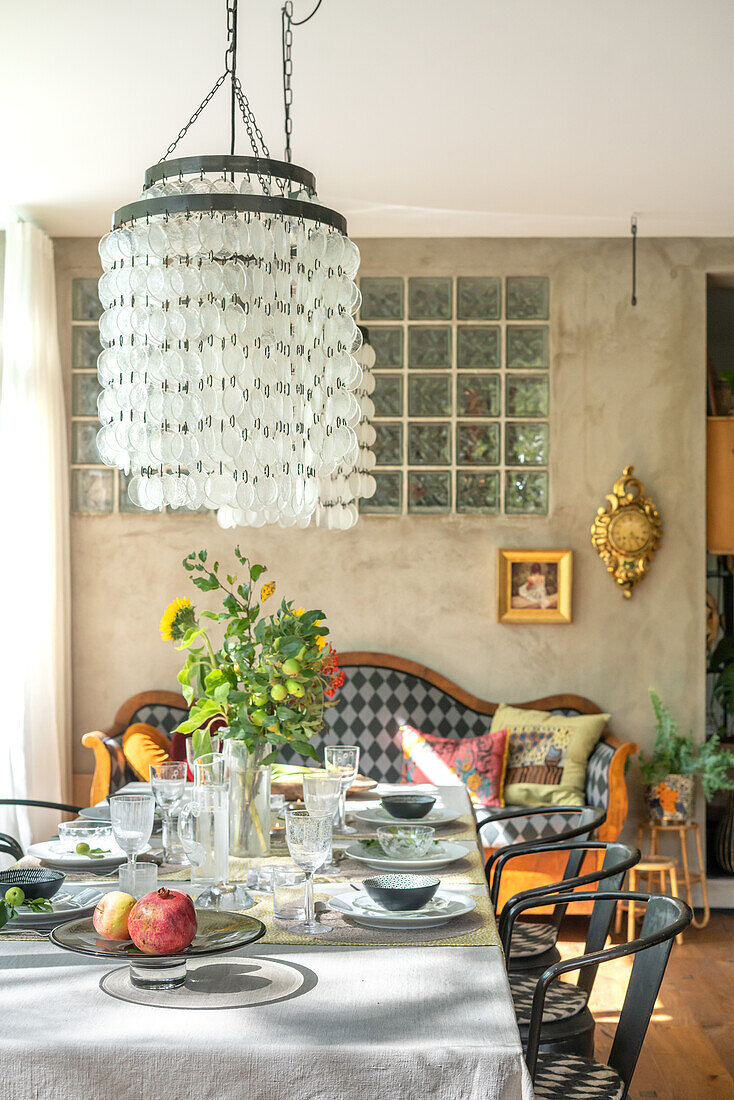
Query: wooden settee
[(380, 693)]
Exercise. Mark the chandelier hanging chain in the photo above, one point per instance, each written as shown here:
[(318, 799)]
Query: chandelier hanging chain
[(288, 22), (184, 129), (230, 66)]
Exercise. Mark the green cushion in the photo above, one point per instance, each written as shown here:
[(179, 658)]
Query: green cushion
[(539, 794), (586, 731)]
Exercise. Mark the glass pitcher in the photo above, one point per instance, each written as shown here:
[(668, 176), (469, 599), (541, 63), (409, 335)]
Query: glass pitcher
[(203, 824)]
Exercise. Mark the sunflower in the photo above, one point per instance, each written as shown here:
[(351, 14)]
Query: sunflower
[(177, 618)]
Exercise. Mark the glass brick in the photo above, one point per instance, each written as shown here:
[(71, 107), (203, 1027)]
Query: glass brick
[(429, 395), (477, 492), (430, 299), (478, 444), (528, 298), (526, 444), (388, 496), (84, 443), (388, 446), (85, 303), (388, 394), (478, 298), (526, 395), (382, 298), (85, 347), (478, 347), (84, 390), (429, 347), (527, 346), (92, 490), (124, 504), (388, 345), (429, 444), (526, 492), (429, 492), (478, 394)]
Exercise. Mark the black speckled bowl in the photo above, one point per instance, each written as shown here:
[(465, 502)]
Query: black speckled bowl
[(35, 882), (408, 806), (400, 893)]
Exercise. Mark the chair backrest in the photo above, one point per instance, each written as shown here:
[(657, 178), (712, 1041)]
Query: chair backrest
[(664, 919), (9, 846)]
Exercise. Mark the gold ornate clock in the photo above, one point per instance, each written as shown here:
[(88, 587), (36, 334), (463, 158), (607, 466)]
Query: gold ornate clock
[(627, 532)]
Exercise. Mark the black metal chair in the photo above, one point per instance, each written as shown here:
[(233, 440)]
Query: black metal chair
[(534, 943), (567, 1024), (560, 1076), (8, 844)]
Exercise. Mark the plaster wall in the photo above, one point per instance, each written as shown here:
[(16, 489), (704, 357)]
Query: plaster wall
[(627, 386)]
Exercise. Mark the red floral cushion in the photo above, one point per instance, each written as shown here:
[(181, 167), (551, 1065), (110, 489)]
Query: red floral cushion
[(478, 762)]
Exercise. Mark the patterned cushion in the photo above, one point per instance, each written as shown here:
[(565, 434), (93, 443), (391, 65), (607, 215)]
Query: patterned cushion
[(597, 776), (536, 754), (477, 762), (562, 1000), (530, 939), (517, 829), (566, 1077)]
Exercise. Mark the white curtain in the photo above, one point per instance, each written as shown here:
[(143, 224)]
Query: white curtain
[(35, 707)]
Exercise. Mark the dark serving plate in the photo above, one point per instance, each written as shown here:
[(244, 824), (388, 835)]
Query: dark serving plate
[(408, 806), (400, 893), (35, 882)]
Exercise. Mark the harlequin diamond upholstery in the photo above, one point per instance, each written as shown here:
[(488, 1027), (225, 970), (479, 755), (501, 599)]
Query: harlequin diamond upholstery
[(571, 1078)]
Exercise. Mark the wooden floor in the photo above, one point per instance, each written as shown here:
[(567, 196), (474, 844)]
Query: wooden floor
[(689, 1049)]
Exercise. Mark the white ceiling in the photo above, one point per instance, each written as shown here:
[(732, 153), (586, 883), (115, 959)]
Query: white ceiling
[(419, 117)]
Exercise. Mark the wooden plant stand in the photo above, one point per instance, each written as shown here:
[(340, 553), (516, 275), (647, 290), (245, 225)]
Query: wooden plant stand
[(682, 828)]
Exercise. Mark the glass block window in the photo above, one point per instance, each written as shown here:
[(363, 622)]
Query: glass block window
[(96, 489), (462, 393)]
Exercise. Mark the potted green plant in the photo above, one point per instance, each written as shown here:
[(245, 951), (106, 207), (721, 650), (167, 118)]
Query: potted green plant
[(265, 685), (669, 773)]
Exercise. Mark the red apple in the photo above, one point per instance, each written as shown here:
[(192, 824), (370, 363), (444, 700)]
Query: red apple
[(110, 917), (163, 923)]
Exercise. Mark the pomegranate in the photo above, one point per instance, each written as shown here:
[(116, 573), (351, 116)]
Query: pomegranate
[(163, 923), (111, 915)]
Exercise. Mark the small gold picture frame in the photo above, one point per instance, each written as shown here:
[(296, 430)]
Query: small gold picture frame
[(534, 586)]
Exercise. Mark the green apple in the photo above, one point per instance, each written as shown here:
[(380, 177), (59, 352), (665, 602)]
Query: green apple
[(278, 692), (259, 699), (291, 667), (294, 688), (14, 896), (258, 717)]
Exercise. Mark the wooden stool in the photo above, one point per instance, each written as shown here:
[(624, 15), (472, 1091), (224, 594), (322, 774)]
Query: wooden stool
[(650, 866), (682, 828)]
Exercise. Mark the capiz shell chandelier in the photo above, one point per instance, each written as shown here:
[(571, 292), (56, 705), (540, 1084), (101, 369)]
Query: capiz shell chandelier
[(230, 363)]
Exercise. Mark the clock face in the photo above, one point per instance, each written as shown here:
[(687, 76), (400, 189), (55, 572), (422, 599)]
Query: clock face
[(629, 531)]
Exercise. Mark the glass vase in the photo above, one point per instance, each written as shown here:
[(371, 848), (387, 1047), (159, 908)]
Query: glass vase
[(249, 799)]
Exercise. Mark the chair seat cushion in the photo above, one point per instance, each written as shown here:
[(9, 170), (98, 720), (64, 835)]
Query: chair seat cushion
[(517, 830), (477, 762), (562, 1000), (531, 938), (144, 745), (566, 1077)]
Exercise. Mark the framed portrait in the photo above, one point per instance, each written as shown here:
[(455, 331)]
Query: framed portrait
[(534, 586)]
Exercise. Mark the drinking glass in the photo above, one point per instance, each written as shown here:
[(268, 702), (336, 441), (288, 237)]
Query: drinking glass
[(203, 825), (168, 783), (321, 795), (309, 841), (132, 823), (342, 762)]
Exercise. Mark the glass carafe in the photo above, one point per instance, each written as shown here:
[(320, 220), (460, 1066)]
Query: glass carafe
[(203, 824)]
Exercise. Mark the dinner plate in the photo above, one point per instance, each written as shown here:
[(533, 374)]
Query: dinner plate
[(377, 816), (51, 854), (442, 908), (443, 853), (72, 900)]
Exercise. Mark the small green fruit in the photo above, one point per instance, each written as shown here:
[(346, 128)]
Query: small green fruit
[(258, 717), (14, 896), (294, 688), (301, 653), (278, 692), (291, 667), (259, 699), (82, 848)]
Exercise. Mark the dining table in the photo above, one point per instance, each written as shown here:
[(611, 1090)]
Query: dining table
[(354, 1014)]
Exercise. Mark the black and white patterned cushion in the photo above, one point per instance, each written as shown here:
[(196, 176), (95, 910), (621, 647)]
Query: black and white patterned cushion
[(374, 703), (162, 717), (562, 1000), (597, 776), (566, 1077), (536, 827), (531, 938)]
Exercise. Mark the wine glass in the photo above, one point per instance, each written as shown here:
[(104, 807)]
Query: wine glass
[(309, 842), (168, 783), (132, 823), (342, 762), (321, 794)]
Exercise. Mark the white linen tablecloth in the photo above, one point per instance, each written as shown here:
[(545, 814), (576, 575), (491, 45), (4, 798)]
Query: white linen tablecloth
[(368, 1023)]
